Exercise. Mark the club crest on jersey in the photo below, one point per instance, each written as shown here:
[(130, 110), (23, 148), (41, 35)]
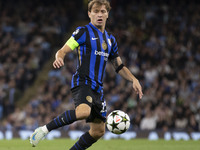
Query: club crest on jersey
[(104, 45)]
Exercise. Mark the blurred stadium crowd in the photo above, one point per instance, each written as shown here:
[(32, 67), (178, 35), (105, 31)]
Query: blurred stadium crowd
[(159, 41)]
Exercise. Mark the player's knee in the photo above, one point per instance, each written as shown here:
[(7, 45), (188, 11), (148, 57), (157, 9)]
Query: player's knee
[(84, 114), (83, 111), (97, 134), (100, 133)]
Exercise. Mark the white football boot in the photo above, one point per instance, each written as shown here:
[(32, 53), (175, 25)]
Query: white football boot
[(37, 135)]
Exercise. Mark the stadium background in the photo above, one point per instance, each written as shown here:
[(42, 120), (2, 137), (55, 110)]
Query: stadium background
[(158, 40)]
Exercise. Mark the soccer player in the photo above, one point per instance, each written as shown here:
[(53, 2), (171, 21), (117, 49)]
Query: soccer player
[(95, 46)]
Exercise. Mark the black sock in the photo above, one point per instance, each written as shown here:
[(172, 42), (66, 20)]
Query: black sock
[(85, 141), (66, 118)]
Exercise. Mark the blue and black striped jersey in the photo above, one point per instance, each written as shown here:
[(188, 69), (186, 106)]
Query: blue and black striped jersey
[(94, 50)]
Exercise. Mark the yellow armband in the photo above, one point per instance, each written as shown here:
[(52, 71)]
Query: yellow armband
[(72, 43)]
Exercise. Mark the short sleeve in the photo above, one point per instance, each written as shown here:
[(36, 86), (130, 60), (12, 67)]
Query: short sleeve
[(114, 48), (79, 35)]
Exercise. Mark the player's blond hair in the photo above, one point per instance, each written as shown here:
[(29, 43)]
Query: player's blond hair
[(99, 3)]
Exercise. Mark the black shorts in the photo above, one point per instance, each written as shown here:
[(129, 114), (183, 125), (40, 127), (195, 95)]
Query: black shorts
[(85, 95)]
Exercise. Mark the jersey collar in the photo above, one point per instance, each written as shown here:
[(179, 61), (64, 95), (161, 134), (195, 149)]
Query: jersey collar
[(96, 28)]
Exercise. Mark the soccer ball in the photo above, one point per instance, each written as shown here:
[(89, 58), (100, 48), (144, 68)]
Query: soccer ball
[(118, 122)]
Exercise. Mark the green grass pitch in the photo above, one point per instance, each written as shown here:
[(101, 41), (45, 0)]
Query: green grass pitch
[(115, 144)]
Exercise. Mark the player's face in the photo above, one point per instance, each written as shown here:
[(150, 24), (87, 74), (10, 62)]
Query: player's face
[(98, 16)]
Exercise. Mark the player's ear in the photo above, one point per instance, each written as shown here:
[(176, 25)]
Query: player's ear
[(89, 14)]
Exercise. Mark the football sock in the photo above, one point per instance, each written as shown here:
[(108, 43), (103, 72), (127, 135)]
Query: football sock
[(66, 118), (85, 141)]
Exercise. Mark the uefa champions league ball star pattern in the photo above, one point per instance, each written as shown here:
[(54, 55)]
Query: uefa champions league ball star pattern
[(118, 122)]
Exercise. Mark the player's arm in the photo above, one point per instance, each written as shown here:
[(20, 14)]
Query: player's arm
[(70, 45), (125, 73)]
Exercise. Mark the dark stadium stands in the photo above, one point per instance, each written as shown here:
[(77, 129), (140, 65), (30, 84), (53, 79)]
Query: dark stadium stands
[(159, 41)]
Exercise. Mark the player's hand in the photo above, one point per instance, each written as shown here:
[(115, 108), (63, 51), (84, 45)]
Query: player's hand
[(58, 63), (137, 88)]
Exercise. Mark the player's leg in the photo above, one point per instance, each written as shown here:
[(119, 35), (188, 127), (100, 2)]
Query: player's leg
[(81, 112), (97, 125), (97, 130)]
